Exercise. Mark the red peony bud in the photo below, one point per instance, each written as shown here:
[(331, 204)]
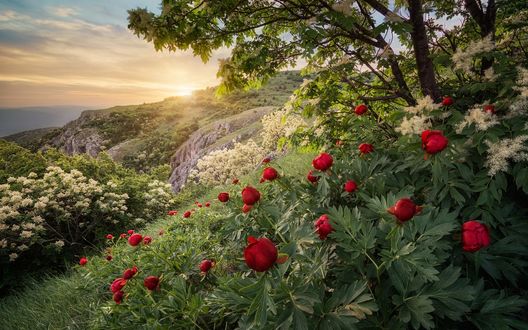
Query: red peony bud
[(269, 174), (123, 235), (350, 186), (161, 232), (490, 108), (360, 109), (260, 254), (130, 232), (117, 284), (323, 162), (266, 160), (151, 283), (246, 208), (187, 214), (207, 204), (129, 273), (262, 180), (311, 177), (205, 265), (199, 205), (83, 261), (109, 236), (404, 209), (475, 236), (366, 148), (433, 141), (173, 212), (323, 226), (235, 181), (147, 240), (223, 197), (447, 101), (135, 239), (109, 257), (250, 195)]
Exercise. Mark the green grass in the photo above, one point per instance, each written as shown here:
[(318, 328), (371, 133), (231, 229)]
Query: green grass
[(71, 300)]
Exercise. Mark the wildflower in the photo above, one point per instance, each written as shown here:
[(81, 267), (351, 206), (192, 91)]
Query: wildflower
[(260, 254)]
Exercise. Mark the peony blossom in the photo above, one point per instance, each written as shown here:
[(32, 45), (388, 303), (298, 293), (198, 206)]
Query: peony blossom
[(404, 209), (433, 141), (147, 240), (360, 109), (475, 236), (250, 195), (206, 265), (260, 254), (246, 208), (187, 214), (366, 148), (135, 239), (447, 101), (312, 178), (83, 261), (269, 174), (323, 162), (350, 186), (223, 197), (129, 273), (109, 236), (151, 282), (118, 284), (323, 226)]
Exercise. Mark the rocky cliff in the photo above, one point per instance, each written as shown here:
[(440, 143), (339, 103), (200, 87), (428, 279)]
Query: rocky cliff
[(217, 135)]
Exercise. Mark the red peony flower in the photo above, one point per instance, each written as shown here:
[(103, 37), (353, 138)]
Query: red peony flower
[(118, 297), (404, 209), (129, 273), (323, 162), (433, 141), (447, 101), (490, 108), (360, 109), (123, 235), (109, 257), (199, 205), (173, 212), (266, 160), (205, 265), (311, 177), (235, 181), (187, 214), (130, 232), (83, 261), (350, 186), (207, 204), (260, 254), (151, 282), (366, 148), (223, 197), (269, 174), (135, 239), (475, 236), (250, 195), (323, 226), (117, 284), (109, 236), (147, 240)]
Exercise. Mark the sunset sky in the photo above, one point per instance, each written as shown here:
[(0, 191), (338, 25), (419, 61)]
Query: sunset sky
[(63, 52)]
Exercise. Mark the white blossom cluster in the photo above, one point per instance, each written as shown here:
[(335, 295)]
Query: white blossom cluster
[(420, 119), (37, 210), (221, 166), (463, 59), (158, 196), (344, 7), (501, 152), (279, 124), (480, 118)]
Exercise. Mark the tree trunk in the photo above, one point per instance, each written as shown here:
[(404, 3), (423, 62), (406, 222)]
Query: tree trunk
[(424, 63), (486, 22)]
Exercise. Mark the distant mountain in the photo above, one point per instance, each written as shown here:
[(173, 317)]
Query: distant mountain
[(15, 120)]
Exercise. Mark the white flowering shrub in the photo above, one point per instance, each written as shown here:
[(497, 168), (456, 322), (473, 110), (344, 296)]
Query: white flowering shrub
[(66, 210), (221, 166), (277, 125)]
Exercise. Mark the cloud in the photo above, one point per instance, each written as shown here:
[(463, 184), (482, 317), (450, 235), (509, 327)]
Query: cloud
[(66, 55)]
